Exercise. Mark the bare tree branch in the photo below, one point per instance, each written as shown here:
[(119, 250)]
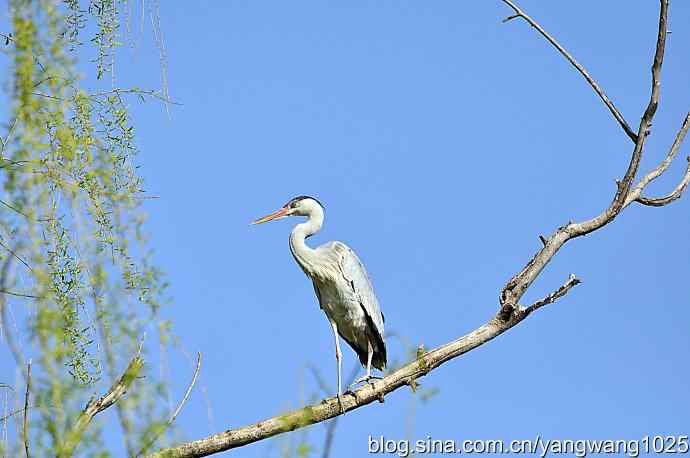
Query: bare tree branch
[(26, 410), (16, 351), (517, 286), (14, 293), (654, 174), (177, 410), (14, 254), (329, 407), (661, 168), (675, 194), (560, 292), (6, 140), (113, 395), (612, 108)]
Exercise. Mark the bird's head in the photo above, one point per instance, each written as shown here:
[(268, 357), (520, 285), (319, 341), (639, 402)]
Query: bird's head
[(297, 206)]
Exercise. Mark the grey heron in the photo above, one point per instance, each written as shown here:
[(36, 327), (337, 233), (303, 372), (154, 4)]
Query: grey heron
[(342, 286)]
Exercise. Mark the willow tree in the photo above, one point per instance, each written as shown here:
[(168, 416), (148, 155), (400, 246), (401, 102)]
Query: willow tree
[(78, 290)]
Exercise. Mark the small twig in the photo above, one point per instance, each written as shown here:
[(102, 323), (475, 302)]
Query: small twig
[(172, 418), (139, 92), (677, 142), (16, 256), (18, 411), (3, 432), (612, 108), (162, 54), (560, 292), (8, 163), (13, 208), (675, 194), (13, 293), (635, 194), (6, 140), (202, 388), (5, 274), (189, 390), (48, 96), (9, 38), (543, 239), (26, 409)]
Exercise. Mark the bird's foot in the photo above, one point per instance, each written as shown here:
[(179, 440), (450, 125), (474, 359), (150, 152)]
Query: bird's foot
[(366, 379)]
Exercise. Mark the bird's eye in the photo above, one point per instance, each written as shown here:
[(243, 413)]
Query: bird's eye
[(293, 204)]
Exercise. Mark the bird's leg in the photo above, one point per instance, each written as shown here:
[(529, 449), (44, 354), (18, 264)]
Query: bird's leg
[(368, 377), (338, 358)]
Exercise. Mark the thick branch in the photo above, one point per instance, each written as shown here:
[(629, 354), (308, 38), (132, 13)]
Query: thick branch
[(113, 395), (329, 407), (612, 108)]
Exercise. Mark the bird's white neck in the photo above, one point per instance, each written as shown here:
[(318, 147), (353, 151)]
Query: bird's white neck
[(304, 255)]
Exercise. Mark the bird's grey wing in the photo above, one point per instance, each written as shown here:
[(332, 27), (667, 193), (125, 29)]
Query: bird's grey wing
[(356, 275)]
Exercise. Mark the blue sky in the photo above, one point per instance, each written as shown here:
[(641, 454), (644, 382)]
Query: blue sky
[(442, 143)]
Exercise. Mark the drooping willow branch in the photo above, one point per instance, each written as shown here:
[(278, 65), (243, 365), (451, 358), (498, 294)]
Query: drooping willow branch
[(510, 312)]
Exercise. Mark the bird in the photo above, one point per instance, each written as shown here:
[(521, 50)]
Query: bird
[(342, 286)]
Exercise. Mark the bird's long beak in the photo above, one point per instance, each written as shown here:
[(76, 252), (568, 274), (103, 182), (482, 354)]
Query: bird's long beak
[(281, 213)]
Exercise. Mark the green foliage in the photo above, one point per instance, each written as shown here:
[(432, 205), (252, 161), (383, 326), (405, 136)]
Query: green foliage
[(105, 12), (71, 227), (304, 450)]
